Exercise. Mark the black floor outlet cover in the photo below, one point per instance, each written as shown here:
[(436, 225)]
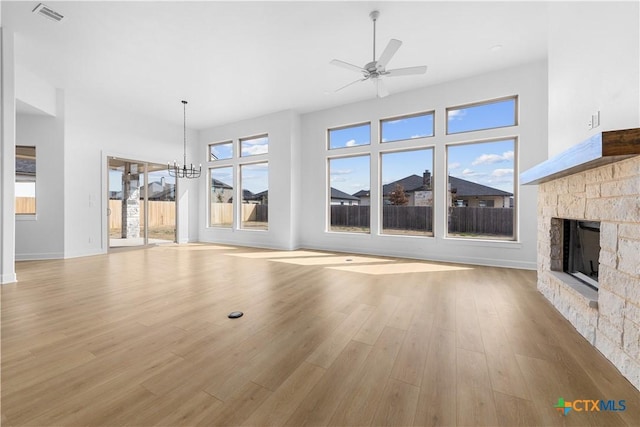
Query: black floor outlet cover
[(235, 314)]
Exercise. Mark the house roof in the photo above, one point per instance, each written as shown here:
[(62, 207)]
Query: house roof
[(409, 184), (362, 193), (220, 184), (466, 188), (341, 195), (462, 187)]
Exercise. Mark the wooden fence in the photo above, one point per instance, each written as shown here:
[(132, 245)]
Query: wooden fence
[(471, 220), (222, 213), (25, 205), (418, 218), (489, 221), (160, 213)]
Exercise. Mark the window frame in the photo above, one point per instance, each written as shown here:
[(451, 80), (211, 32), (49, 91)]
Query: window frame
[(516, 113), (249, 138), (516, 203), (407, 116), (328, 192), (434, 191), (352, 125), (210, 155), (209, 195), (240, 191), (27, 215)]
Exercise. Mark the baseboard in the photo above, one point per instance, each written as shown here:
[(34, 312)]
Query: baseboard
[(5, 279), (41, 256)]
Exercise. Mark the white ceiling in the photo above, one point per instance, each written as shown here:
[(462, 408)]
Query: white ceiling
[(235, 60)]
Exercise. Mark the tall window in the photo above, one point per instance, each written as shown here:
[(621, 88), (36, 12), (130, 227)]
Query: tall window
[(221, 197), (407, 192), (350, 136), (480, 189), (25, 202), (406, 127), (255, 196), (486, 115), (349, 194), (254, 146)]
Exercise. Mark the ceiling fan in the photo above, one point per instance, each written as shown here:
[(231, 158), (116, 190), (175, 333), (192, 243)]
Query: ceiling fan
[(375, 70)]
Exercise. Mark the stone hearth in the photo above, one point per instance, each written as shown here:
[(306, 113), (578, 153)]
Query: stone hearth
[(610, 317)]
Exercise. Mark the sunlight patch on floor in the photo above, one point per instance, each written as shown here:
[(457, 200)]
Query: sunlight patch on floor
[(280, 254), (343, 259), (413, 267)]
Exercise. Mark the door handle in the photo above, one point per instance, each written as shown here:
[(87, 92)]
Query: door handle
[(108, 211)]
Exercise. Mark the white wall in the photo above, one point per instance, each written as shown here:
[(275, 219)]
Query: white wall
[(594, 64), (283, 131), (94, 131), (35, 91), (529, 82), (7, 159), (42, 236)]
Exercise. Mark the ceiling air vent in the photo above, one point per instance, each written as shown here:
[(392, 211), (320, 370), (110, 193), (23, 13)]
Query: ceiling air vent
[(47, 12)]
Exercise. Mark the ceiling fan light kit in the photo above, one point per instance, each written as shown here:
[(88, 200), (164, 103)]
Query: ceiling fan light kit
[(375, 69)]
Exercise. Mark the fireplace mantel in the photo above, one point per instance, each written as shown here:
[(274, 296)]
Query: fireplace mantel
[(600, 149)]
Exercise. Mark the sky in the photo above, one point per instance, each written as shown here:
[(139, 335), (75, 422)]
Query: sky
[(487, 163)]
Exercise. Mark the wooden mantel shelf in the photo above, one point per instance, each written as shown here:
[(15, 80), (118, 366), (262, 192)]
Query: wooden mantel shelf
[(600, 149)]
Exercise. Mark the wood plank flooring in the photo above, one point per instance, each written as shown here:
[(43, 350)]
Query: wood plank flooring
[(142, 338)]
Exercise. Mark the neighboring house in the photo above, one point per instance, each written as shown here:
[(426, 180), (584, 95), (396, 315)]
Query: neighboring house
[(221, 192), (364, 196), (416, 188), (341, 198), (160, 191), (466, 193), (461, 193), (256, 199)]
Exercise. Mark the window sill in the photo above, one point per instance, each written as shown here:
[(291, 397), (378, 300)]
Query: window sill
[(26, 217), (513, 244)]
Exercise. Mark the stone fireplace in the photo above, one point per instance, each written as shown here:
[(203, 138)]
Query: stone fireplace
[(605, 190)]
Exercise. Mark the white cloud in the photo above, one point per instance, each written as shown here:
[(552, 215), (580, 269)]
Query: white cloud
[(351, 143), (395, 121), (470, 172), (341, 171), (456, 114), (257, 141), (253, 150), (499, 173), (493, 158), (454, 165)]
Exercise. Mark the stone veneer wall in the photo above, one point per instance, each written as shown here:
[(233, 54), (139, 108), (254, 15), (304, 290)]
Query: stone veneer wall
[(609, 194)]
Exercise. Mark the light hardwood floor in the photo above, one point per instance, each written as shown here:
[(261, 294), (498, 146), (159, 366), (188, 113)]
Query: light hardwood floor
[(142, 338)]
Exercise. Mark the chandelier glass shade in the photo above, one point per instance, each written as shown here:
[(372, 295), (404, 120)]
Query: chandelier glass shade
[(183, 171)]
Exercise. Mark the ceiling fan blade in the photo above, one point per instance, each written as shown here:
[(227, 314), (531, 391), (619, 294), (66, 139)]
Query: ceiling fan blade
[(348, 66), (388, 53), (352, 83), (406, 71), (381, 88)]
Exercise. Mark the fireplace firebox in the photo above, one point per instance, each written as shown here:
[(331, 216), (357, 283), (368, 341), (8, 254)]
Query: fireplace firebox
[(581, 250)]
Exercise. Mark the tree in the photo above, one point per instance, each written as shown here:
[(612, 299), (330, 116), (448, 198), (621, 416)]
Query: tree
[(398, 197)]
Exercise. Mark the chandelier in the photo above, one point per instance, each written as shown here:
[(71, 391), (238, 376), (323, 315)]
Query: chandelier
[(184, 172)]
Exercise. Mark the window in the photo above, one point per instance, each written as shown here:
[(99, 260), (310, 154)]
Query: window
[(407, 127), (349, 195), (487, 115), (221, 197), (221, 151), (254, 146), (255, 196), (350, 136), (25, 202), (480, 189), (407, 192)]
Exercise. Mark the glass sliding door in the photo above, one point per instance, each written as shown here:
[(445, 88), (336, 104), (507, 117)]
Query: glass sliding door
[(141, 204)]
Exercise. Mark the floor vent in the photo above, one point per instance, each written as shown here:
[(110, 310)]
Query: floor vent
[(47, 12)]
